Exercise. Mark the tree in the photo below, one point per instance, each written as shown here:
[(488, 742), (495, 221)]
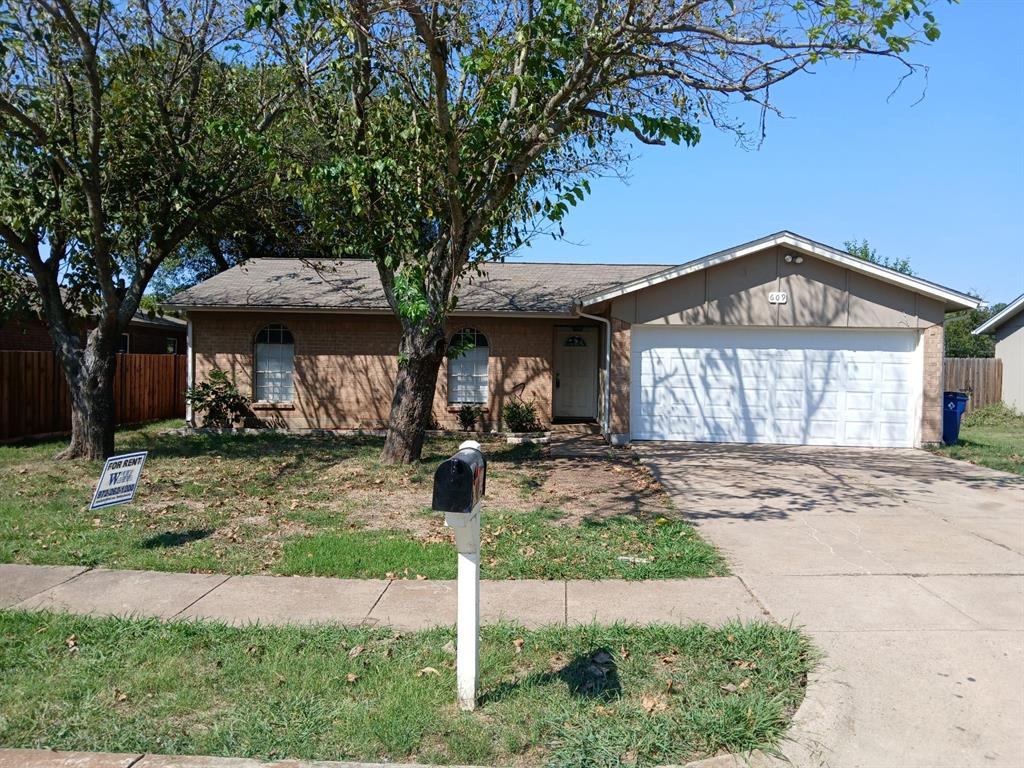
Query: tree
[(446, 134), (961, 342), (125, 125), (863, 250)]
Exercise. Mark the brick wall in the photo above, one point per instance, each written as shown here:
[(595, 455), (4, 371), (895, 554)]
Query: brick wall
[(345, 365), (27, 333), (931, 403), (621, 341)]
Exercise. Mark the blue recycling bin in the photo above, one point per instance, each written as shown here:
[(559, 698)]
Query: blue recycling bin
[(953, 406)]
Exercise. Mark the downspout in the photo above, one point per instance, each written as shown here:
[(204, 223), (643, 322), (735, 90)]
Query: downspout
[(607, 416), (189, 370)]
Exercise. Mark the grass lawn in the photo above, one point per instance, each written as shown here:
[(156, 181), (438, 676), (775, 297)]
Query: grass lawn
[(993, 437), (291, 504), (577, 696)]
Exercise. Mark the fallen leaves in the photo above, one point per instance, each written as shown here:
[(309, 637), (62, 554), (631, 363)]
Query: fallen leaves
[(356, 651), (351, 677), (427, 671), (518, 644), (652, 703), (71, 641)]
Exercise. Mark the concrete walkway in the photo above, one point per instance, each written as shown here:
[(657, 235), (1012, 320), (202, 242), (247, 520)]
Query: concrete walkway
[(908, 571), (404, 605)]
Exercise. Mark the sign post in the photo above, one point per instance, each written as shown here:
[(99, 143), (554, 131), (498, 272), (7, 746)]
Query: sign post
[(119, 480), (459, 484)]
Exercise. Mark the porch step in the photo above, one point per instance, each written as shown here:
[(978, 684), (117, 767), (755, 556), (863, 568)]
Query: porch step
[(578, 428)]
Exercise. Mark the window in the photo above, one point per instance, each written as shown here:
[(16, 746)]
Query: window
[(467, 367), (172, 345), (275, 364), (575, 341), (124, 343)]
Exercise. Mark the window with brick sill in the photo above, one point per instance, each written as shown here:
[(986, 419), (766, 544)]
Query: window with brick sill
[(468, 358), (275, 367)]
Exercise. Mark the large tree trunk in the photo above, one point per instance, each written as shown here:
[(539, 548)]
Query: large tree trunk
[(90, 376), (420, 353)]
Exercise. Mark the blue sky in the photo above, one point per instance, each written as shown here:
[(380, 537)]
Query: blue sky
[(941, 183)]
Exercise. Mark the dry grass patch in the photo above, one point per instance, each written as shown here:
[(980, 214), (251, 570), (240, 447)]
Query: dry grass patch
[(325, 505)]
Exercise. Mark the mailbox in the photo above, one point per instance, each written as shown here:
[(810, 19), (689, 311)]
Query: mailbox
[(460, 482), (459, 485)]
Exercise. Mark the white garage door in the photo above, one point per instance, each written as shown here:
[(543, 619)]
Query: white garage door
[(772, 385)]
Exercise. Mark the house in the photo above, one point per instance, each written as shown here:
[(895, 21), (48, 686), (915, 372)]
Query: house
[(780, 340), (147, 333), (1008, 329)]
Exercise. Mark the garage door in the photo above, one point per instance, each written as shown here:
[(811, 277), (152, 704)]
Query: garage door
[(761, 385)]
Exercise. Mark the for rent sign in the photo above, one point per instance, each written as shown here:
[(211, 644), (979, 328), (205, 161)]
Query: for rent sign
[(119, 480)]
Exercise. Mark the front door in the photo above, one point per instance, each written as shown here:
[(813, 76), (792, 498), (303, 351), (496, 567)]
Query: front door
[(575, 373)]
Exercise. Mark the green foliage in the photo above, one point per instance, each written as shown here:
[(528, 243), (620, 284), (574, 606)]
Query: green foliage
[(994, 415), (219, 399), (433, 142), (518, 415), (863, 250), (469, 417), (960, 340)]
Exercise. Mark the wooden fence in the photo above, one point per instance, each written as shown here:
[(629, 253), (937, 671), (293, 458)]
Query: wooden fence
[(979, 377), (34, 395)]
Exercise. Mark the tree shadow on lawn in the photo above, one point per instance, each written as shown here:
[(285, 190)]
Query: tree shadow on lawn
[(169, 539), (592, 676), (336, 447)]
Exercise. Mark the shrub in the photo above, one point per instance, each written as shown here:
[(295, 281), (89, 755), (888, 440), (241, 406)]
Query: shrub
[(994, 415), (469, 417), (519, 416), (220, 399)]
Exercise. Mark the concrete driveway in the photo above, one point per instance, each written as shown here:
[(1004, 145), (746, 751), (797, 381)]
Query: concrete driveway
[(906, 568)]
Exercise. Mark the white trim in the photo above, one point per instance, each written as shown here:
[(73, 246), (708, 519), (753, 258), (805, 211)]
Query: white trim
[(607, 415), (995, 321), (189, 370), (799, 243)]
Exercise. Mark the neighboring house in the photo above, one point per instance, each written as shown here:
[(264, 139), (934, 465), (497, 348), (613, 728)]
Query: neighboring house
[(145, 335), (1007, 327), (781, 340)]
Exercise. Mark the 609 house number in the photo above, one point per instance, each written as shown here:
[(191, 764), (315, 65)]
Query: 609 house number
[(778, 297)]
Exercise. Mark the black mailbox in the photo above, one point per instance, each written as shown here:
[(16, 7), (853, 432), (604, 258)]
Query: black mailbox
[(460, 482)]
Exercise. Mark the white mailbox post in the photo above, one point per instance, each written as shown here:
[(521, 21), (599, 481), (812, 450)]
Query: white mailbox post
[(459, 484)]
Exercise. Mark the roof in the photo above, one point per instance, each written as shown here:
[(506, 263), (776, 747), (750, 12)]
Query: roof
[(295, 284), (143, 317), (953, 299), (1008, 313)]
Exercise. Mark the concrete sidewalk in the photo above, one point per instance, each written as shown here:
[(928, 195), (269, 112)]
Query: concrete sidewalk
[(404, 605)]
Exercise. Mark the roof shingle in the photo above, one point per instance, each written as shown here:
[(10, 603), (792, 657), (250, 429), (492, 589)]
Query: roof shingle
[(273, 283)]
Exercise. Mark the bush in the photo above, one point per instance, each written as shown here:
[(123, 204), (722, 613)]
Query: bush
[(220, 399), (469, 417), (994, 415), (519, 416)]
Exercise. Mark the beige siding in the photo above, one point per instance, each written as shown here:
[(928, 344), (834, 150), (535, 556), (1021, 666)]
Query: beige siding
[(1010, 349), (821, 294)]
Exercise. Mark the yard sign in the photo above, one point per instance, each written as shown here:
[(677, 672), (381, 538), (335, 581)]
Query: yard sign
[(119, 480)]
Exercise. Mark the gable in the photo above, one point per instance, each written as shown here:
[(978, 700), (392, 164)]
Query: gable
[(798, 247), (818, 293)]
